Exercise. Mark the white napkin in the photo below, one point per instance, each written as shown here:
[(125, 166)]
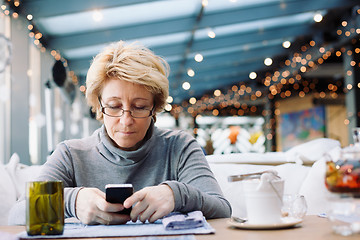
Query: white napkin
[(177, 221), (8, 236)]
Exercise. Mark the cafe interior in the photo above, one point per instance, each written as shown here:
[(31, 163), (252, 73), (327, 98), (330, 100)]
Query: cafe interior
[(258, 83)]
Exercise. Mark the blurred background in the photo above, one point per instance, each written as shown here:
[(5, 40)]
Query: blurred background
[(246, 75)]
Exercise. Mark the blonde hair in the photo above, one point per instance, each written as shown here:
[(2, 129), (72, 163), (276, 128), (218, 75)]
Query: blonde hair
[(133, 63)]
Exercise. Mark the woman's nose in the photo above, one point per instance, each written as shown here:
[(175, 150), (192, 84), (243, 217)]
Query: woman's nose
[(126, 118)]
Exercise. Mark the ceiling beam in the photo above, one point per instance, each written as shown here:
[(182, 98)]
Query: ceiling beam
[(123, 33), (245, 39), (52, 8), (271, 10), (227, 58)]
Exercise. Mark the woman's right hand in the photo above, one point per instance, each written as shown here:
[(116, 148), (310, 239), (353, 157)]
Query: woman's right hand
[(92, 208)]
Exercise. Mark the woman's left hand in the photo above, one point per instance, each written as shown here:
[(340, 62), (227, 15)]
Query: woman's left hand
[(151, 203)]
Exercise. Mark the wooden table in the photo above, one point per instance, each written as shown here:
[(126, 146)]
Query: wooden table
[(313, 227)]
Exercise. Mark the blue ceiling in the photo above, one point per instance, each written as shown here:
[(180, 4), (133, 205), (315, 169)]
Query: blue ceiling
[(246, 32)]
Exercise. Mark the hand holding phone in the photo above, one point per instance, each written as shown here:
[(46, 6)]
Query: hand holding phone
[(118, 193)]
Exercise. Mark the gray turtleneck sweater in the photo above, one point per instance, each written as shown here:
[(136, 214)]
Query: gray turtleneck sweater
[(166, 157)]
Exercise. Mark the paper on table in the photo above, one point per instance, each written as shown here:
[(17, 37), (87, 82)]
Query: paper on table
[(177, 221), (8, 236)]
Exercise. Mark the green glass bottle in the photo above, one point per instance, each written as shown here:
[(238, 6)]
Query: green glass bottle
[(45, 208)]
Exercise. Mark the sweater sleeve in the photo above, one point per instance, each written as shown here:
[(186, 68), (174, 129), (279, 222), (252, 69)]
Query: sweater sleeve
[(59, 167), (196, 187)]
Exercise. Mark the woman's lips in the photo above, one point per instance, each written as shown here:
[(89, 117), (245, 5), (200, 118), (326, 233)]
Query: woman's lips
[(126, 132)]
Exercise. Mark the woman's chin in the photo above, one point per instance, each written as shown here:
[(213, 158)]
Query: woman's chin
[(126, 146)]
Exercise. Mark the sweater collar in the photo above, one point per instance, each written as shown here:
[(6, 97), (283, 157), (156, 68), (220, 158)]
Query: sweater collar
[(121, 157)]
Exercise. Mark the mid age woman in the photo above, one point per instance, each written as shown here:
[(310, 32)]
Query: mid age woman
[(127, 86)]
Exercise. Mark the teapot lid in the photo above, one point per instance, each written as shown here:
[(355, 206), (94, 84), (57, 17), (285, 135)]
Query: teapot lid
[(351, 152), (351, 148)]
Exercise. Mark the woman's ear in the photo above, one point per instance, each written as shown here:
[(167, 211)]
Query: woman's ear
[(154, 118)]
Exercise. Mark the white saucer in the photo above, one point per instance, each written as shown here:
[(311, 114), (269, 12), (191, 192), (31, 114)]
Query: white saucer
[(285, 222)]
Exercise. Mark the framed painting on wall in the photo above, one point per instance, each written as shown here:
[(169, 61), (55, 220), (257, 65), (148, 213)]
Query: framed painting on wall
[(302, 126)]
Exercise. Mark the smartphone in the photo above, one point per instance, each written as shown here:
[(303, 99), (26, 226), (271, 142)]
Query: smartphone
[(118, 193)]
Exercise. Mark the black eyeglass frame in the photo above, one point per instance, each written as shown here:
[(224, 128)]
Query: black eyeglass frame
[(102, 108)]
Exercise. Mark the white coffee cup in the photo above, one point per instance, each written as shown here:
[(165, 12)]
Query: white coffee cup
[(263, 198)]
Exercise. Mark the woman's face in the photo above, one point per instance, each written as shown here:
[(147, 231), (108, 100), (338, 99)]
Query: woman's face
[(126, 131)]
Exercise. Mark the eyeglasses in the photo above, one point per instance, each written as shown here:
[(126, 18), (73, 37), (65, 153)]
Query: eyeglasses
[(119, 112)]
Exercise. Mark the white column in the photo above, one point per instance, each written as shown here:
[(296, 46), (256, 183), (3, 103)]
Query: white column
[(5, 90), (19, 140)]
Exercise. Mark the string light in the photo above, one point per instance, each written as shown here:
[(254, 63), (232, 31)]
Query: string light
[(204, 3), (97, 15), (168, 107), (198, 57), (318, 17), (217, 93), (211, 34), (274, 89), (252, 75), (169, 99), (16, 3), (192, 100), (286, 44), (268, 61), (186, 85), (190, 72)]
